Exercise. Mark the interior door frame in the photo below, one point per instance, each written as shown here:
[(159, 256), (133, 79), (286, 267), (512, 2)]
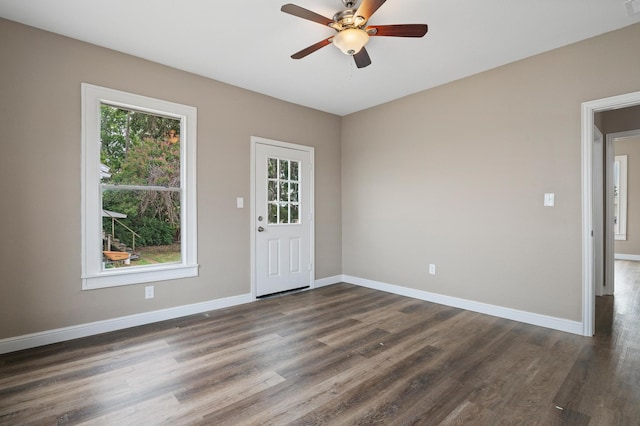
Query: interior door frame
[(599, 232), (588, 224), (252, 223)]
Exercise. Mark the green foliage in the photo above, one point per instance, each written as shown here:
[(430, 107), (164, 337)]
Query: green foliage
[(155, 232), (114, 125)]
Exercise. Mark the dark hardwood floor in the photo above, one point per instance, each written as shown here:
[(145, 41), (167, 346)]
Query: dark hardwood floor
[(337, 355)]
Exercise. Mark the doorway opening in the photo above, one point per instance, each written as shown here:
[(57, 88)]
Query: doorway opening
[(593, 227)]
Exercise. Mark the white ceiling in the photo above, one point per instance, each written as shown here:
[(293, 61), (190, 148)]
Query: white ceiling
[(248, 44)]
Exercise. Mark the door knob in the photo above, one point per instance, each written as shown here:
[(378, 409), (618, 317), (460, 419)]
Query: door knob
[(260, 229)]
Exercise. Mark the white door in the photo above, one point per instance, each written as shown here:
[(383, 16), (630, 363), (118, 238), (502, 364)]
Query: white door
[(283, 217)]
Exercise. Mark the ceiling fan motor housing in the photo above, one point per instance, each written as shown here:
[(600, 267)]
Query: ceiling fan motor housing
[(347, 19)]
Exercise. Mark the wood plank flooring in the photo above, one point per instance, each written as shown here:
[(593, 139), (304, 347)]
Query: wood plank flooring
[(337, 355)]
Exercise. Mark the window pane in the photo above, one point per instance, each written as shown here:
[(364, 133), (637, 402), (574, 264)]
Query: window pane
[(284, 169), (293, 193), (295, 214), (272, 191), (273, 213), (272, 165), (139, 148), (295, 165), (140, 228), (284, 213), (284, 191)]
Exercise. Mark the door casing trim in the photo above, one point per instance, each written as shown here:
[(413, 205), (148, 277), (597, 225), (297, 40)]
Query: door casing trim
[(588, 282)]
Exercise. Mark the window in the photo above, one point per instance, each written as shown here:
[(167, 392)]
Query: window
[(138, 187), (283, 189), (620, 197)]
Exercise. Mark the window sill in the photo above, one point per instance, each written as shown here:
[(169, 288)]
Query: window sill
[(137, 276)]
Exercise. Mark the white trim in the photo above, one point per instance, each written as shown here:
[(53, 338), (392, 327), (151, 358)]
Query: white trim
[(252, 195), (27, 341), (621, 136), (588, 110), (623, 193), (33, 340), (607, 227), (252, 213), (93, 275), (323, 282), (142, 274), (598, 211), (634, 257), (554, 323), (588, 282)]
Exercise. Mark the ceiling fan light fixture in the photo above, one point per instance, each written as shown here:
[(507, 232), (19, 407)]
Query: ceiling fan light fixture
[(351, 40)]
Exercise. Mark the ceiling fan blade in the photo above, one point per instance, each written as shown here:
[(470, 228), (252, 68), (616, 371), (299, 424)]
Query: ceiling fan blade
[(368, 8), (362, 58), (307, 51), (407, 30), (303, 13)]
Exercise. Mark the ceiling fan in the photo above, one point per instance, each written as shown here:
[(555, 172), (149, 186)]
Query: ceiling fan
[(353, 32)]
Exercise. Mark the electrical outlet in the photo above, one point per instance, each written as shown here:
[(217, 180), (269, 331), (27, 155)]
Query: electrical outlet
[(432, 269), (149, 292)]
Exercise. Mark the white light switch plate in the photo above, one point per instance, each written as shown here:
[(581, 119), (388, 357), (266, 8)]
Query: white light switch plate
[(240, 202), (549, 199)]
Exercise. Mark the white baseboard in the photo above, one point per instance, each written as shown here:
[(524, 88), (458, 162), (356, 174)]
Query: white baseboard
[(554, 323), (620, 256), (33, 340), (322, 282)]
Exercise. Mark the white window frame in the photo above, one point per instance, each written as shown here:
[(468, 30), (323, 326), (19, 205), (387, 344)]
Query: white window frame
[(93, 274)]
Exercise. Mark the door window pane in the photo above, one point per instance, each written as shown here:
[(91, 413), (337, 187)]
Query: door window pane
[(273, 213), (284, 213), (272, 191), (284, 191), (284, 169), (272, 167), (294, 214)]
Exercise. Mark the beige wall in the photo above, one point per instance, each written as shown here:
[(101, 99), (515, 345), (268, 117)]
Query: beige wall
[(40, 76), (631, 148), (455, 176)]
